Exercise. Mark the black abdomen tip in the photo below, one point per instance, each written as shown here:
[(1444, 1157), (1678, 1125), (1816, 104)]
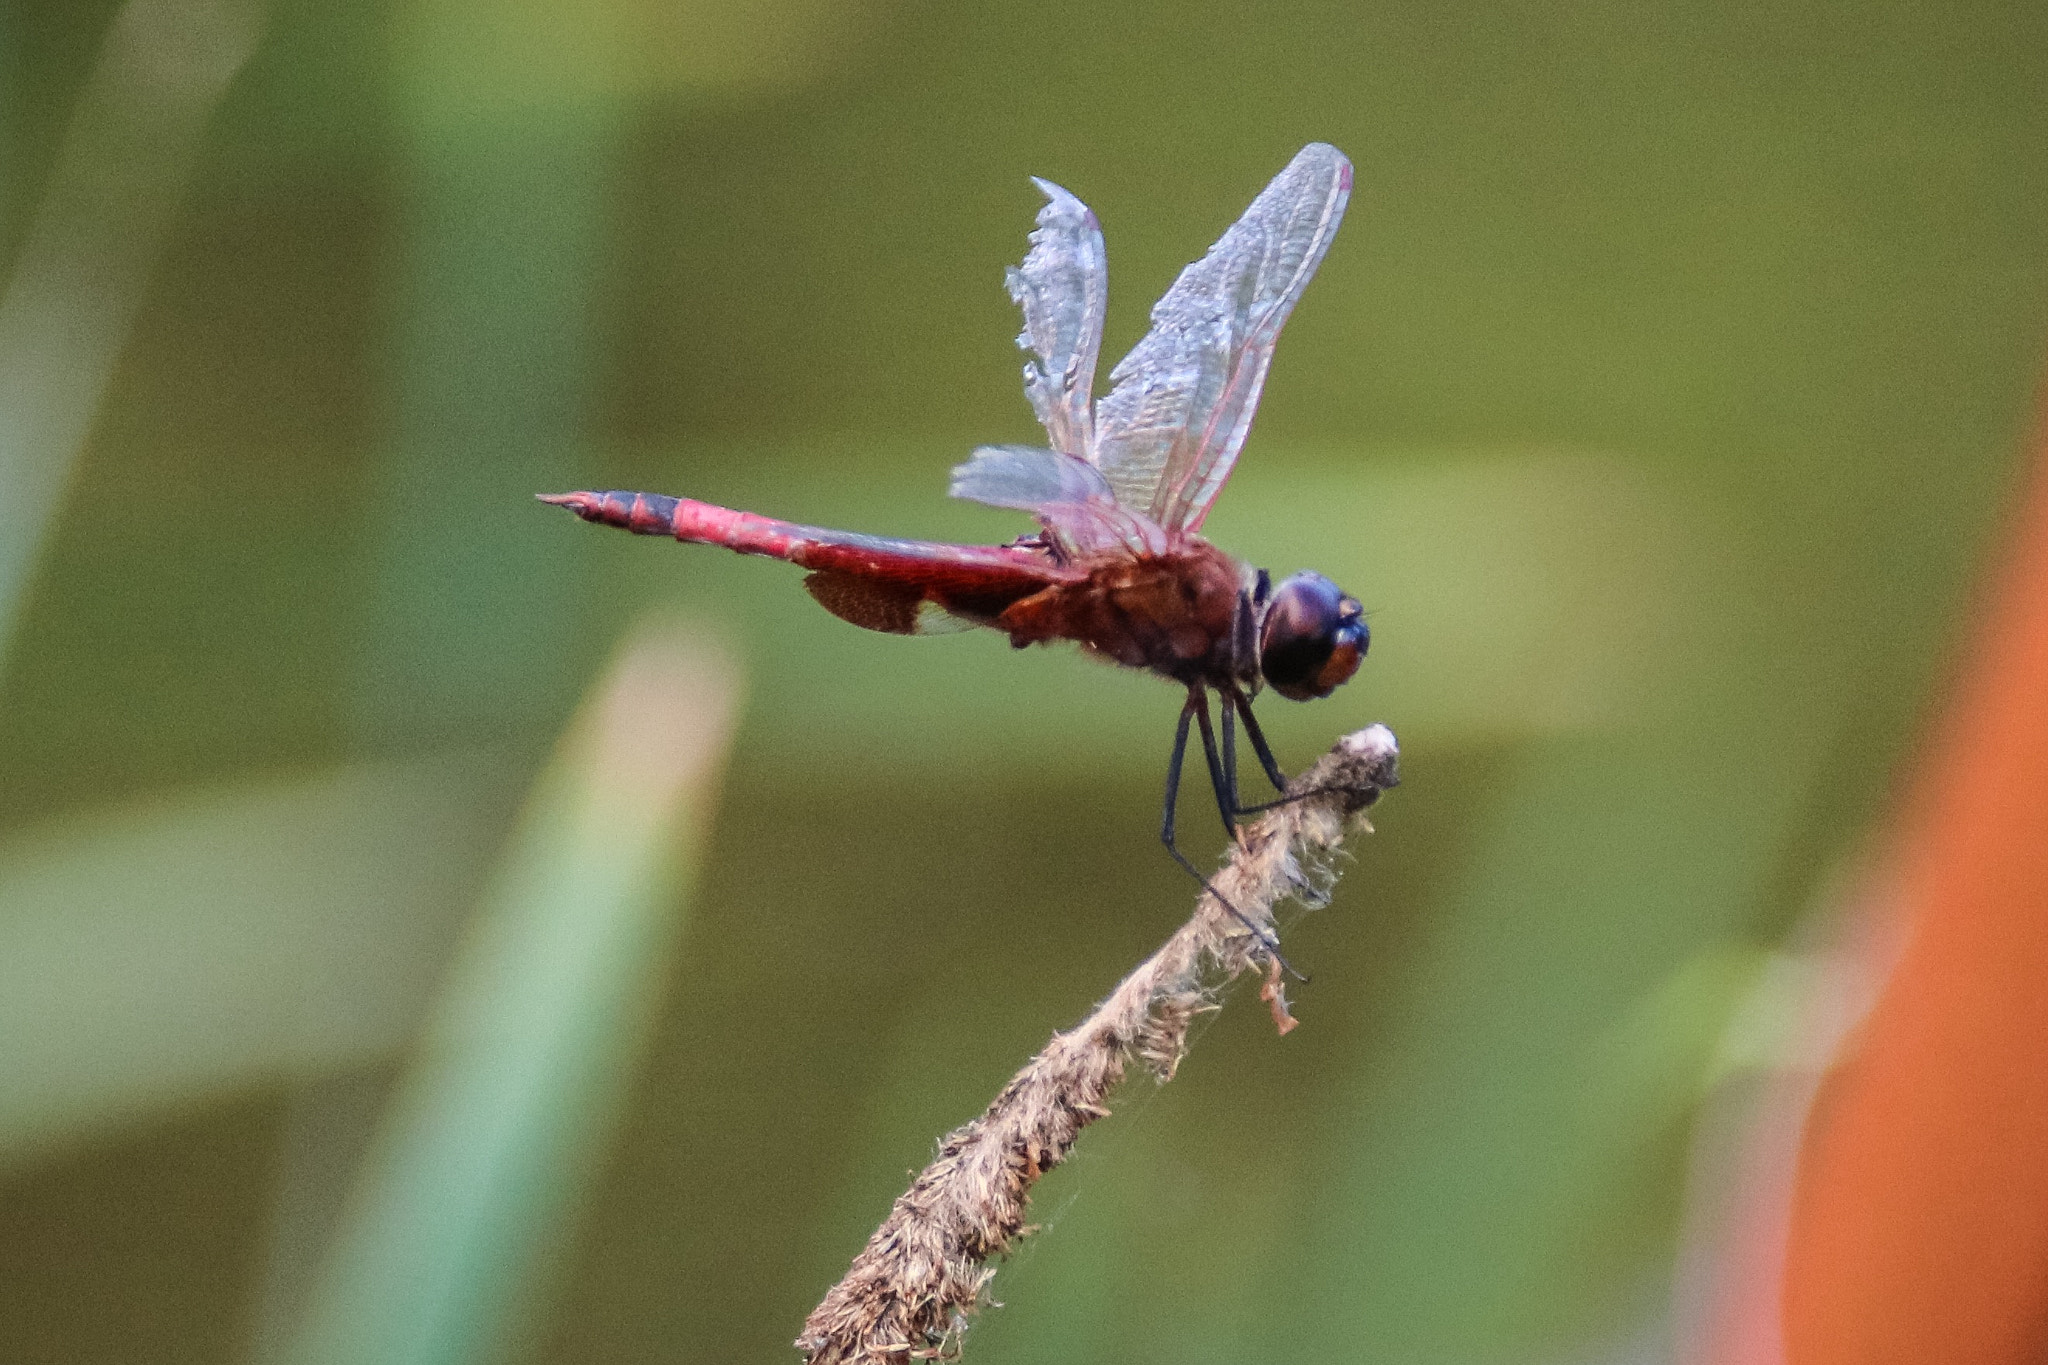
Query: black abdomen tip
[(647, 514)]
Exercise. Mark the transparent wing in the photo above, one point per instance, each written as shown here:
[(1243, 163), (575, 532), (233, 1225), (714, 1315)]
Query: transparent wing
[(1026, 478), (1169, 432), (1063, 288), (1069, 496)]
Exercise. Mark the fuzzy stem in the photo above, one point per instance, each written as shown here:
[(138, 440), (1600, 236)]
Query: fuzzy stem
[(911, 1289)]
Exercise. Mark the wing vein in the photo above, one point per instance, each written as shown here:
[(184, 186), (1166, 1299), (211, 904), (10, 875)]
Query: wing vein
[(1063, 288), (1169, 432)]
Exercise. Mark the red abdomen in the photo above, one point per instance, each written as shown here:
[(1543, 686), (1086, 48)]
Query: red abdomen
[(974, 581)]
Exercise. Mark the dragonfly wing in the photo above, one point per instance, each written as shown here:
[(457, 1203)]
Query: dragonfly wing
[(1169, 431), (894, 608), (1069, 496), (1026, 478), (1063, 288)]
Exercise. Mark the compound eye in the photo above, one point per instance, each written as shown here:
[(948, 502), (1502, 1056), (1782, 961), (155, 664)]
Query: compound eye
[(1313, 638)]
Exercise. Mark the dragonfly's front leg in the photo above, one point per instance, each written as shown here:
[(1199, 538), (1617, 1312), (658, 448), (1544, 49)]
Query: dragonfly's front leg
[(1236, 700), (1232, 704)]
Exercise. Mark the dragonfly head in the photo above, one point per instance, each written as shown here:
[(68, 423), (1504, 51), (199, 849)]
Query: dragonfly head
[(1312, 638)]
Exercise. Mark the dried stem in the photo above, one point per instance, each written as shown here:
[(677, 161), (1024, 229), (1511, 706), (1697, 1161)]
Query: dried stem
[(910, 1290)]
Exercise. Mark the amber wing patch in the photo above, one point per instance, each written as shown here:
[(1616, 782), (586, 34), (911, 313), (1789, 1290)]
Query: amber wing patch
[(870, 604)]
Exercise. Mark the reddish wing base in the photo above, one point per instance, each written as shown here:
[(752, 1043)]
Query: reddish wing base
[(869, 604)]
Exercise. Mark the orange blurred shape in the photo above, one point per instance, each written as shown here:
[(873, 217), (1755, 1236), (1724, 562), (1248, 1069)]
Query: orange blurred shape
[(1919, 1219)]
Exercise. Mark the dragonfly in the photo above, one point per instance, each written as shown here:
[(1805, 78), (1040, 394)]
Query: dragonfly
[(1118, 564)]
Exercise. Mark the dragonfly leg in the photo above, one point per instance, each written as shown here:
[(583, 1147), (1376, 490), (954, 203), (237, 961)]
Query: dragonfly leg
[(1243, 706), (1197, 706), (1219, 774), (1227, 715), (1180, 749), (1236, 699)]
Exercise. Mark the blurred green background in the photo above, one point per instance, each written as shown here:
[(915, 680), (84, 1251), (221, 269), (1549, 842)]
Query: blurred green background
[(1659, 398)]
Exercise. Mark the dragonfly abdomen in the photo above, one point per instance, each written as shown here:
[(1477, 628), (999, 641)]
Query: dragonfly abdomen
[(984, 578), (657, 514)]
